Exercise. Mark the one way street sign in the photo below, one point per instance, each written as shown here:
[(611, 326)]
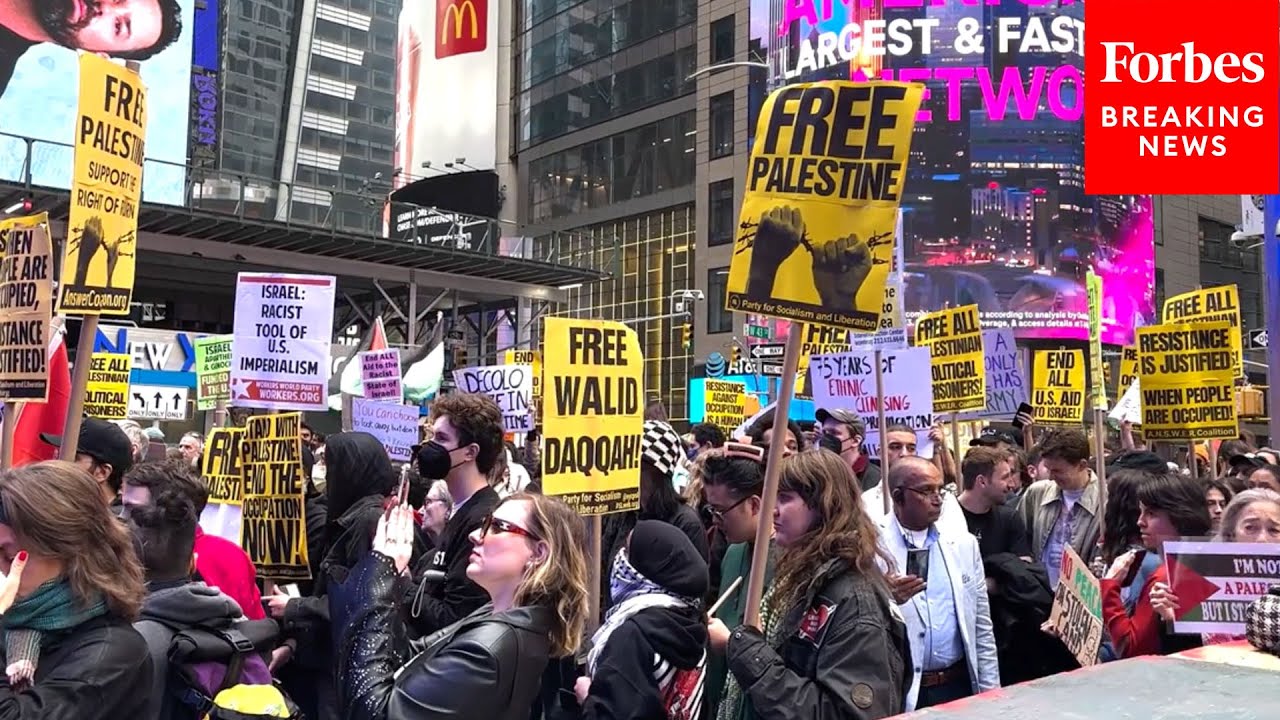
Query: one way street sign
[(1258, 339), (770, 350), (158, 402)]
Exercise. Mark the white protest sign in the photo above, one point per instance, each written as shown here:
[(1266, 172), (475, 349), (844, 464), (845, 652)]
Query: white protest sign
[(380, 375), (847, 381), (395, 426), (1129, 407), (892, 334), (510, 386), (1006, 377), (280, 349)]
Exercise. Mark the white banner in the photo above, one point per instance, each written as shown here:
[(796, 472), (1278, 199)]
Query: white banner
[(1007, 385), (847, 381), (280, 351), (510, 386), (1129, 407), (395, 426), (892, 334)]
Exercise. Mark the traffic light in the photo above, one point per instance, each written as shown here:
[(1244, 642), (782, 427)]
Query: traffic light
[(735, 355), (686, 335)]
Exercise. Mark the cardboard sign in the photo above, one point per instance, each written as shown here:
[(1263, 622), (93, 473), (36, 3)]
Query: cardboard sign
[(1007, 380), (106, 189), (816, 245), (1128, 367), (1215, 304), (1188, 379), (280, 355), (26, 308), (724, 403), (1216, 582), (213, 370), (847, 381), (221, 468), (1077, 609), (380, 375), (959, 372), (106, 394), (1058, 395), (593, 415), (395, 425), (510, 386), (273, 519)]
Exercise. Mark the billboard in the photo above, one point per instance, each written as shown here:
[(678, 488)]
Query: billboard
[(39, 78), (206, 95), (994, 211)]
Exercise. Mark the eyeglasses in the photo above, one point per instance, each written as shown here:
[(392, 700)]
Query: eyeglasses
[(719, 514), (927, 493), (498, 526)]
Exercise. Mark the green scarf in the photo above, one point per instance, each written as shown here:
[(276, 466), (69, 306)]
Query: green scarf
[(736, 705), (30, 623)]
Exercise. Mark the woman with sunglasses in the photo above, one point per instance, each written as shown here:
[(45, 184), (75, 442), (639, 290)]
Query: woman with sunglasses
[(528, 557)]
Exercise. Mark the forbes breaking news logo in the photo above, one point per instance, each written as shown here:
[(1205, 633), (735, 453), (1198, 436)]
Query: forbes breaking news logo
[(1182, 107), (462, 26)]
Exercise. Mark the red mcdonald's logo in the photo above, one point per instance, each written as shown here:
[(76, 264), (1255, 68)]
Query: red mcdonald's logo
[(462, 26)]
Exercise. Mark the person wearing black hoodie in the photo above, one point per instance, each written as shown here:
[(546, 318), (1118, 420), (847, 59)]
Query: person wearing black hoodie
[(656, 585)]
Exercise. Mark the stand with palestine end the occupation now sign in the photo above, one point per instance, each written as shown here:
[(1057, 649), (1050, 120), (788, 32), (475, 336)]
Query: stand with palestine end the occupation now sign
[(280, 351)]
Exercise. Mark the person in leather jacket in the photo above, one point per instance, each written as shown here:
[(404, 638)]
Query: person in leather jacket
[(834, 645), (488, 666)]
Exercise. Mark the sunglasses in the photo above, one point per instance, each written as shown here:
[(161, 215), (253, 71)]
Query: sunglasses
[(498, 526)]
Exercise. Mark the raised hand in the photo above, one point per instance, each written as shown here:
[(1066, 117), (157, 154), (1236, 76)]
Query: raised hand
[(840, 267), (394, 536), (9, 582), (780, 232)]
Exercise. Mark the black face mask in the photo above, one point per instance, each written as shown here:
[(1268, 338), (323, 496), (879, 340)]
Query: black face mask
[(831, 443), (434, 461)]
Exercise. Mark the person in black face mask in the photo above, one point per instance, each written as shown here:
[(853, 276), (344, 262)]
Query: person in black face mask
[(465, 443)]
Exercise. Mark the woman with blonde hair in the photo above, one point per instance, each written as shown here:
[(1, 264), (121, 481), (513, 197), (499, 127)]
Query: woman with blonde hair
[(72, 588), (832, 643), (528, 557)]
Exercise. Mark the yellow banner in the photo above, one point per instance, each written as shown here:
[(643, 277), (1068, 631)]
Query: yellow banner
[(1058, 387), (222, 468), (724, 404), (824, 182), (1215, 304), (1187, 374), (1128, 369), (273, 518), (593, 416), (106, 190), (26, 308), (532, 358), (954, 339), (1097, 377), (106, 394)]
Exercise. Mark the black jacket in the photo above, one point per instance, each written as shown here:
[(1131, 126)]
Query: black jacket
[(845, 655), (435, 604), (618, 526), (485, 667), (93, 672)]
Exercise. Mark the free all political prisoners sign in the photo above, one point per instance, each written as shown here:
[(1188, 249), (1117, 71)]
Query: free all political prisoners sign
[(954, 339), (592, 415), (272, 527), (816, 233), (280, 354)]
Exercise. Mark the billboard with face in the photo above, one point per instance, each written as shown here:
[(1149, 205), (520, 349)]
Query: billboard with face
[(39, 41), (994, 211)]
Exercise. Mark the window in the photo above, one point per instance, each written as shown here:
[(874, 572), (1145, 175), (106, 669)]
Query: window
[(722, 39), (722, 125), (719, 320), (720, 217)]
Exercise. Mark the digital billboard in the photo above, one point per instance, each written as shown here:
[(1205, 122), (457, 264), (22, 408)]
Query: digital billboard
[(206, 93), (39, 81), (994, 211)]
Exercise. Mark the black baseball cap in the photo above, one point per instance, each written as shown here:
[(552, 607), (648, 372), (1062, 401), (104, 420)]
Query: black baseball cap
[(990, 437), (103, 441)]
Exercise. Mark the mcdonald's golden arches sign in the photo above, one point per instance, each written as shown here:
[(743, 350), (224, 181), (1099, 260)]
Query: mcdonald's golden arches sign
[(462, 26)]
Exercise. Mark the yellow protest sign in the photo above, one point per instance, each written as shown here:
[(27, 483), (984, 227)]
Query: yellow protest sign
[(222, 469), (1187, 377), (1128, 368), (1215, 304), (272, 526), (954, 339), (1097, 379), (26, 308), (533, 359), (106, 189), (106, 394), (724, 404), (824, 183), (593, 416), (1057, 388), (822, 340)]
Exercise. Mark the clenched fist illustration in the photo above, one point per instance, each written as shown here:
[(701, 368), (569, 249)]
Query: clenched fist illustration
[(779, 233), (840, 267)]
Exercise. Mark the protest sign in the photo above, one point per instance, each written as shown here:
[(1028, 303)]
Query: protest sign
[(959, 370), (1215, 304), (1077, 609), (1128, 368), (395, 425), (1096, 379), (532, 358), (380, 375), (724, 403), (101, 250), (213, 370), (847, 381), (106, 394), (823, 187), (272, 525), (1007, 385), (283, 324), (1216, 582), (892, 333), (1129, 407), (26, 308), (510, 386), (1188, 380), (593, 415), (1058, 387), (222, 469)]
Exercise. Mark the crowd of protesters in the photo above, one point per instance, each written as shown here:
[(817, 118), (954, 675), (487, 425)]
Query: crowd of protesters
[(471, 599)]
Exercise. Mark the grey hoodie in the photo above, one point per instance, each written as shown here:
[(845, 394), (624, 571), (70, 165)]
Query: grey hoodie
[(186, 605)]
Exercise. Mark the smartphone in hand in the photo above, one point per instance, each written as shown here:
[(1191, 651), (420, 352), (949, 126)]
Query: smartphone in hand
[(918, 563), (1025, 410)]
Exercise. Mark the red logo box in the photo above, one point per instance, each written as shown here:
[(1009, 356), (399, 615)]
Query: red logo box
[(462, 26), (1182, 97)]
